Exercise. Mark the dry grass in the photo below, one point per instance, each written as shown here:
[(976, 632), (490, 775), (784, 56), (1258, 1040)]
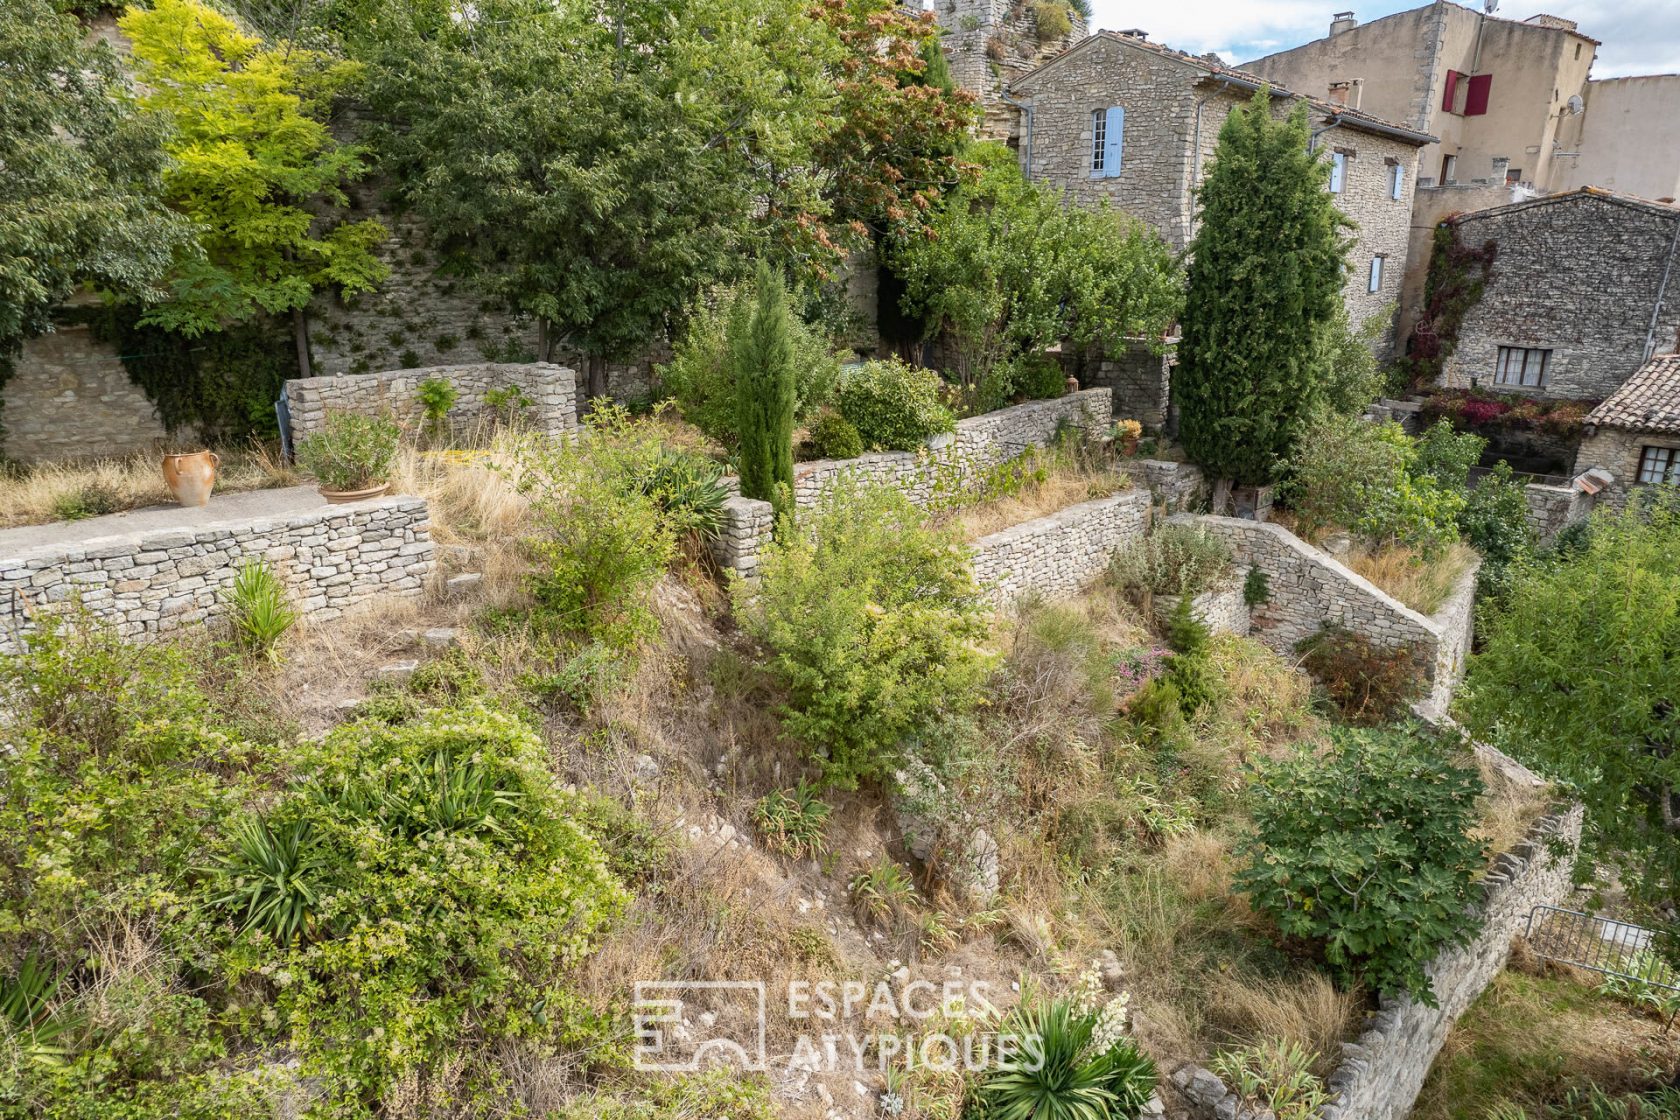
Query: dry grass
[(1509, 806), (37, 495), (475, 504), (1420, 583), (1068, 480), (1303, 1008)]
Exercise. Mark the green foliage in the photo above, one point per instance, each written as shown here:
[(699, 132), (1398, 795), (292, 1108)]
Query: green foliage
[(1352, 379), (1379, 482), (1274, 1075), (259, 609), (701, 377), (79, 197), (437, 395), (1257, 587), (1453, 285), (873, 623), (832, 436), (92, 500), (1495, 522), (599, 537), (1368, 683), (1264, 288), (688, 490), (1579, 676), (1083, 1069), (1051, 20), (1447, 456), (882, 891), (273, 880), (1366, 851), (1008, 268), (716, 1094), (352, 451), (761, 360), (254, 168), (1175, 559), (792, 821), (1190, 671), (39, 1030), (894, 406)]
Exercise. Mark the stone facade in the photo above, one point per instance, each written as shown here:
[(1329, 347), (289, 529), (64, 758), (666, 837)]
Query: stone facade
[(1178, 487), (1058, 556), (70, 397), (980, 442), (1581, 275), (745, 530), (1618, 451), (1139, 379), (988, 44), (551, 389), (331, 557), (1174, 105), (1552, 509), (1311, 590)]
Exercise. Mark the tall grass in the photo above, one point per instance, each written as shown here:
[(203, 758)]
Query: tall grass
[(47, 492), (1422, 584)]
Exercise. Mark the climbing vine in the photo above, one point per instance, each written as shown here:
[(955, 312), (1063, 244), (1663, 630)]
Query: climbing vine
[(1457, 275)]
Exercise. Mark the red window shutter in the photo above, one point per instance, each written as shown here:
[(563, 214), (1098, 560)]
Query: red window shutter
[(1476, 97), (1452, 91)]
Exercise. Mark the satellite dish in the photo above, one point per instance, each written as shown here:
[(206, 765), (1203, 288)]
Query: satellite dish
[(1575, 104), (1490, 6)]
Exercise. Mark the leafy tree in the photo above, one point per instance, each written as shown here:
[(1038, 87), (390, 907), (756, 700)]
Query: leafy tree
[(1352, 377), (254, 167), (1367, 850), (1495, 522), (1376, 480), (600, 173), (1264, 287), (1008, 268), (1579, 676), (82, 175), (761, 351)]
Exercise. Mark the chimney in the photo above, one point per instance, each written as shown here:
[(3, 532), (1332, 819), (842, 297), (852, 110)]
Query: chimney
[(1500, 165), (1342, 21), (1339, 92), (1136, 33)]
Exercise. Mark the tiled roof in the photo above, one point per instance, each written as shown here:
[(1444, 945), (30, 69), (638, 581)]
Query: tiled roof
[(1210, 65), (1649, 401), (1601, 194)]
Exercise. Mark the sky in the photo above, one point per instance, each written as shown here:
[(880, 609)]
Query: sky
[(1638, 36)]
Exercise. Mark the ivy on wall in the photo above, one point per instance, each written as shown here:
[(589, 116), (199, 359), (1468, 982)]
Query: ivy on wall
[(222, 385), (1457, 276)]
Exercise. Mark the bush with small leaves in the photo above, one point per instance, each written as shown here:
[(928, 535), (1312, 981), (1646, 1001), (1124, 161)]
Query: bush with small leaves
[(832, 436), (351, 451), (893, 405), (1370, 684), (1175, 559), (437, 395)]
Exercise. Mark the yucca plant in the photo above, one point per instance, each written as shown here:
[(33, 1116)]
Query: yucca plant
[(688, 489), (882, 892), (1069, 1071), (41, 1031), (274, 878), (448, 794), (259, 609), (792, 821)]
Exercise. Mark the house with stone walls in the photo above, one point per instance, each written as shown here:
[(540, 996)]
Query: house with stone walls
[(1579, 296), (1634, 435), (990, 43), (1120, 119)]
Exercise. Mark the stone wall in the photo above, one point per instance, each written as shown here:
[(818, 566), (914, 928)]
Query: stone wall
[(551, 389), (1060, 555), (1179, 487), (70, 397), (746, 528), (989, 43), (1579, 275), (1617, 451), (979, 442), (1311, 590), (1223, 609), (1551, 509), (1139, 380), (143, 583)]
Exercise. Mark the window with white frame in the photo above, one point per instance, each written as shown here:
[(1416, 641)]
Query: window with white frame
[(1108, 131), (1397, 182), (1659, 464), (1375, 284), (1338, 172), (1521, 367)]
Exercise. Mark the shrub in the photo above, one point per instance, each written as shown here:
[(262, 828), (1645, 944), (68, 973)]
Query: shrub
[(832, 436), (1175, 559), (1447, 456), (1050, 20), (1085, 1068), (761, 357), (701, 378), (687, 488), (893, 406), (1373, 479), (873, 623), (260, 612), (1257, 587), (1191, 670), (351, 451), (1366, 850), (1495, 522), (92, 500), (1370, 684), (1276, 1076), (792, 821), (437, 396)]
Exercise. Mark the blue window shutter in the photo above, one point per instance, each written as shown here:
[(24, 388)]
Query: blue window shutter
[(1338, 172), (1114, 141)]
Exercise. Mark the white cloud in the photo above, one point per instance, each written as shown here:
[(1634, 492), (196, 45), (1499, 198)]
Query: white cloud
[(1639, 36)]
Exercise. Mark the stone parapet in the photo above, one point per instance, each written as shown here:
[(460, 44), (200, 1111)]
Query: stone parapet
[(551, 391)]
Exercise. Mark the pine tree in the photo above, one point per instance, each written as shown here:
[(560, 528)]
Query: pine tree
[(761, 351), (1264, 285)]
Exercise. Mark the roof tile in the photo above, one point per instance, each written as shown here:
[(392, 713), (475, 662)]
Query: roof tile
[(1649, 401)]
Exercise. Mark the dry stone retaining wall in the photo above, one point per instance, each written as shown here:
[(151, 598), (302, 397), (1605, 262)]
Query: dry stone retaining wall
[(1552, 509), (1060, 555), (70, 397), (1180, 487), (1223, 609), (979, 442), (330, 557), (551, 389)]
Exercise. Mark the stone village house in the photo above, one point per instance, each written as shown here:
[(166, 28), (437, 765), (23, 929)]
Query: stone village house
[(1634, 436)]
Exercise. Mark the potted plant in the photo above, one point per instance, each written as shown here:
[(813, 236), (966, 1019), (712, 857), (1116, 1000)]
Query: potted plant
[(351, 456), (1126, 433)]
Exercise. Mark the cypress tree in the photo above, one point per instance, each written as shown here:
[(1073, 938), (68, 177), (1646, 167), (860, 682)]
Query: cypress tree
[(1265, 283), (761, 355)]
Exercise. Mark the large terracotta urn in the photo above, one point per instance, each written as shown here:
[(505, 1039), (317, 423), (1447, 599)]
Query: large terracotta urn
[(191, 477)]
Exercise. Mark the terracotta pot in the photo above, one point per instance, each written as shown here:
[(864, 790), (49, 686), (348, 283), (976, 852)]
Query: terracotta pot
[(1128, 447), (345, 497), (1072, 384), (191, 477)]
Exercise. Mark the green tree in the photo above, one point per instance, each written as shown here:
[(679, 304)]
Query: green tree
[(599, 173), (761, 352), (255, 170), (79, 194), (1264, 286), (1579, 676)]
